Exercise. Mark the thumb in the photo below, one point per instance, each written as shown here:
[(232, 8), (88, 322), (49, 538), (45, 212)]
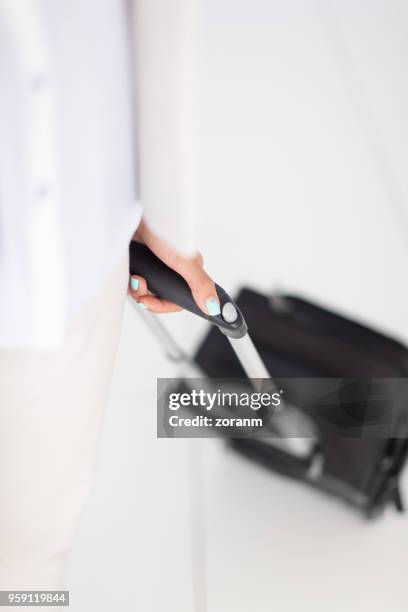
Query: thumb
[(203, 289)]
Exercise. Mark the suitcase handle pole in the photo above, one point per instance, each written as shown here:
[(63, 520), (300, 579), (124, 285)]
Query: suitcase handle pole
[(169, 285), (166, 283)]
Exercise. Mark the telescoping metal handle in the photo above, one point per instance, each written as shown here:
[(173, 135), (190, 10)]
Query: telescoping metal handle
[(168, 284)]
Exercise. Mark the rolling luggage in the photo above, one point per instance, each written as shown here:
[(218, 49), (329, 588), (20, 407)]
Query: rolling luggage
[(346, 386)]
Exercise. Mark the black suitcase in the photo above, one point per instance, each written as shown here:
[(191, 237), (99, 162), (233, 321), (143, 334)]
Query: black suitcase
[(300, 340), (297, 342)]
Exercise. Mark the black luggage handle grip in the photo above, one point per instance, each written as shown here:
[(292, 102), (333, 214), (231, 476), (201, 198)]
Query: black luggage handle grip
[(169, 285)]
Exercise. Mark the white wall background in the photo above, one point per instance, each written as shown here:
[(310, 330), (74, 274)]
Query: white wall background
[(304, 148)]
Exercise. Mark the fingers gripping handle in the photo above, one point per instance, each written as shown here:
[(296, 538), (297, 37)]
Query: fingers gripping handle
[(166, 283)]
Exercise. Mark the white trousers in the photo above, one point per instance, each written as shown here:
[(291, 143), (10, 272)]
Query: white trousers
[(51, 413)]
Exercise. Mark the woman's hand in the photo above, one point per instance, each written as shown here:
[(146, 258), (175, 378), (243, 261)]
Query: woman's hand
[(190, 268)]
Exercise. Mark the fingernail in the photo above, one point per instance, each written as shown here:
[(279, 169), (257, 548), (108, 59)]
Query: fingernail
[(134, 283), (142, 305), (213, 307)]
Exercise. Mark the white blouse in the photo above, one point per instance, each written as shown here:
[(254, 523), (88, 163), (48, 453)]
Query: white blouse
[(95, 124)]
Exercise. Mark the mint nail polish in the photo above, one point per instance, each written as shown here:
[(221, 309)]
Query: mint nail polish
[(134, 283), (142, 305), (213, 307)]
